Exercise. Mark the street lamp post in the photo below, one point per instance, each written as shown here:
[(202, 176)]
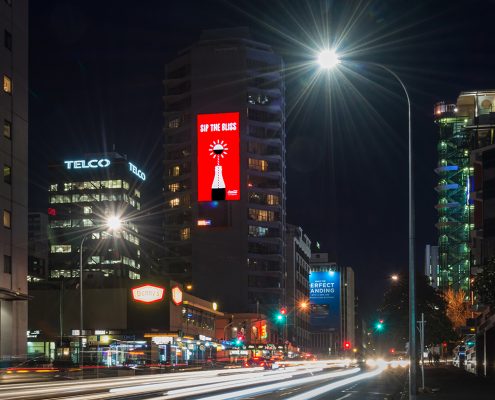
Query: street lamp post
[(112, 223), (329, 59)]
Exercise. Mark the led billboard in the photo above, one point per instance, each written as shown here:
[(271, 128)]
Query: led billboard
[(324, 296), (218, 157)]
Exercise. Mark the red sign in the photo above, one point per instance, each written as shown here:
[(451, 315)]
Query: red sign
[(148, 293), (218, 157), (177, 295)]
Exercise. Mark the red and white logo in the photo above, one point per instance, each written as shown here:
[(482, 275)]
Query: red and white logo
[(148, 293), (177, 295)]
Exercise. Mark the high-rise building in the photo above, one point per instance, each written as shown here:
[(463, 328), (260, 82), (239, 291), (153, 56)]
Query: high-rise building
[(454, 206), (38, 246), (13, 188), (83, 194), (225, 139), (298, 257), (333, 306)]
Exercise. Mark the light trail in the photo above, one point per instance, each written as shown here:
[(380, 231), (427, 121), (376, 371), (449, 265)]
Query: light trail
[(327, 388), (273, 387)]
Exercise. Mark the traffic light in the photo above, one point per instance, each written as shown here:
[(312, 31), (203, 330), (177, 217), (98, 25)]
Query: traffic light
[(379, 325), (283, 311), (240, 340), (282, 314), (347, 345)]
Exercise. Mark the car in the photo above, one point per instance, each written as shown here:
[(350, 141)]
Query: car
[(254, 362), (271, 365)]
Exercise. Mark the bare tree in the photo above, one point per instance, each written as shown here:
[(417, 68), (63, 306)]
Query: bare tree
[(457, 307)]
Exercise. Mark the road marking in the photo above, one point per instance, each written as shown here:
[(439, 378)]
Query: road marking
[(343, 397)]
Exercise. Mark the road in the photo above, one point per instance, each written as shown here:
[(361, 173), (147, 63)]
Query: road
[(318, 380)]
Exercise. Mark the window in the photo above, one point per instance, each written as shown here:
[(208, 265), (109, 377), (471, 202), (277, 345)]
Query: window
[(60, 223), (7, 39), (7, 129), (7, 174), (113, 184), (53, 188), (272, 199), (7, 84), (174, 202), (125, 185), (257, 231), (258, 165), (261, 215), (133, 275), (60, 248), (59, 198), (174, 123), (185, 233), (174, 171), (174, 187), (7, 220), (7, 264), (137, 193), (87, 209)]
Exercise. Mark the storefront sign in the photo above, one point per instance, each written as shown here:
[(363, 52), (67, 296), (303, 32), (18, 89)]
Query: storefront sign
[(140, 174), (177, 295), (83, 164), (148, 293)]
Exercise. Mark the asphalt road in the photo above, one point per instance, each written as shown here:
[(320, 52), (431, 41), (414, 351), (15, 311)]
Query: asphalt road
[(302, 381)]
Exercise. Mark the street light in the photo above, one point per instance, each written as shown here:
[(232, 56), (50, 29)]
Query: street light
[(113, 223), (395, 277), (329, 59)]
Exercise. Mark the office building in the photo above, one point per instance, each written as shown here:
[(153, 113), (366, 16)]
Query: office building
[(14, 187), (83, 193), (38, 246), (298, 257), (333, 310), (224, 177)]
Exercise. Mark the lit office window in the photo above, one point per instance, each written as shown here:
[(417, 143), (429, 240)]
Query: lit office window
[(112, 184), (174, 187), (7, 84), (125, 185), (7, 219), (53, 188), (137, 193), (261, 215), (87, 209), (133, 275), (272, 199), (174, 202), (174, 171), (60, 248), (58, 198), (7, 174), (258, 165), (185, 233), (7, 129)]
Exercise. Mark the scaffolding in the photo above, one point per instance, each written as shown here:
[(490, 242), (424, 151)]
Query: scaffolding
[(454, 208)]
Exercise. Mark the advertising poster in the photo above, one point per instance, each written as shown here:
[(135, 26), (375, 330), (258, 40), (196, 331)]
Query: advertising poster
[(218, 157), (324, 297)]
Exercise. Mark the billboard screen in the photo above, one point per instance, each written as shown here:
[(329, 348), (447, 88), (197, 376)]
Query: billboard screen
[(324, 296), (218, 157)]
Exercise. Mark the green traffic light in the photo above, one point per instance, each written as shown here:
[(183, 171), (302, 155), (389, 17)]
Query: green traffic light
[(379, 326), (280, 317)]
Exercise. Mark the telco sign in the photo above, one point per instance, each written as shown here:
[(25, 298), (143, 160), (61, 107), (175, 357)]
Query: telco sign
[(324, 297), (140, 174), (81, 164)]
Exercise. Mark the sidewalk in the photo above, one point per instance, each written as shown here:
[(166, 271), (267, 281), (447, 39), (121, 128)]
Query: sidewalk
[(451, 383)]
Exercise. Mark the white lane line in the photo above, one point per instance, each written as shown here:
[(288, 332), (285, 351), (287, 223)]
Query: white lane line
[(344, 397)]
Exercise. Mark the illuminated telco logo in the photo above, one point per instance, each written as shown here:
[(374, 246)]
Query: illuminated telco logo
[(83, 164), (140, 174)]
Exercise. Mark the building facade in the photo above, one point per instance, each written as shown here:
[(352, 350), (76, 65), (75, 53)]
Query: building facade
[(38, 246), (454, 208), (431, 264), (298, 259), (333, 306), (83, 194), (14, 187), (233, 248)]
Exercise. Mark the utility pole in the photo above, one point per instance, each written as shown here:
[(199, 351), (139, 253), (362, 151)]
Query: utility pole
[(421, 328)]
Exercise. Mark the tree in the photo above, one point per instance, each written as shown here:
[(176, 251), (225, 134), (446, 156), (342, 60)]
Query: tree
[(395, 315), (457, 308), (484, 284)]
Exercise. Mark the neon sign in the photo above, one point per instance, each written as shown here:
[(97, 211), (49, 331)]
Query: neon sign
[(148, 293), (140, 174), (177, 295), (83, 164)]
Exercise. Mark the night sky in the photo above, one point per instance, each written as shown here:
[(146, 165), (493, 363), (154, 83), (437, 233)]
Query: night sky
[(96, 72)]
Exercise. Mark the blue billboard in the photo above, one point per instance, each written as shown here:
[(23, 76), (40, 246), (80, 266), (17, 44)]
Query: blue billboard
[(324, 297)]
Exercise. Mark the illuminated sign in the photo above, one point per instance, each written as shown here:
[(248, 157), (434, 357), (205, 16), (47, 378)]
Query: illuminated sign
[(140, 174), (218, 157), (264, 333), (148, 293), (324, 296), (204, 222), (177, 295), (83, 164)]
